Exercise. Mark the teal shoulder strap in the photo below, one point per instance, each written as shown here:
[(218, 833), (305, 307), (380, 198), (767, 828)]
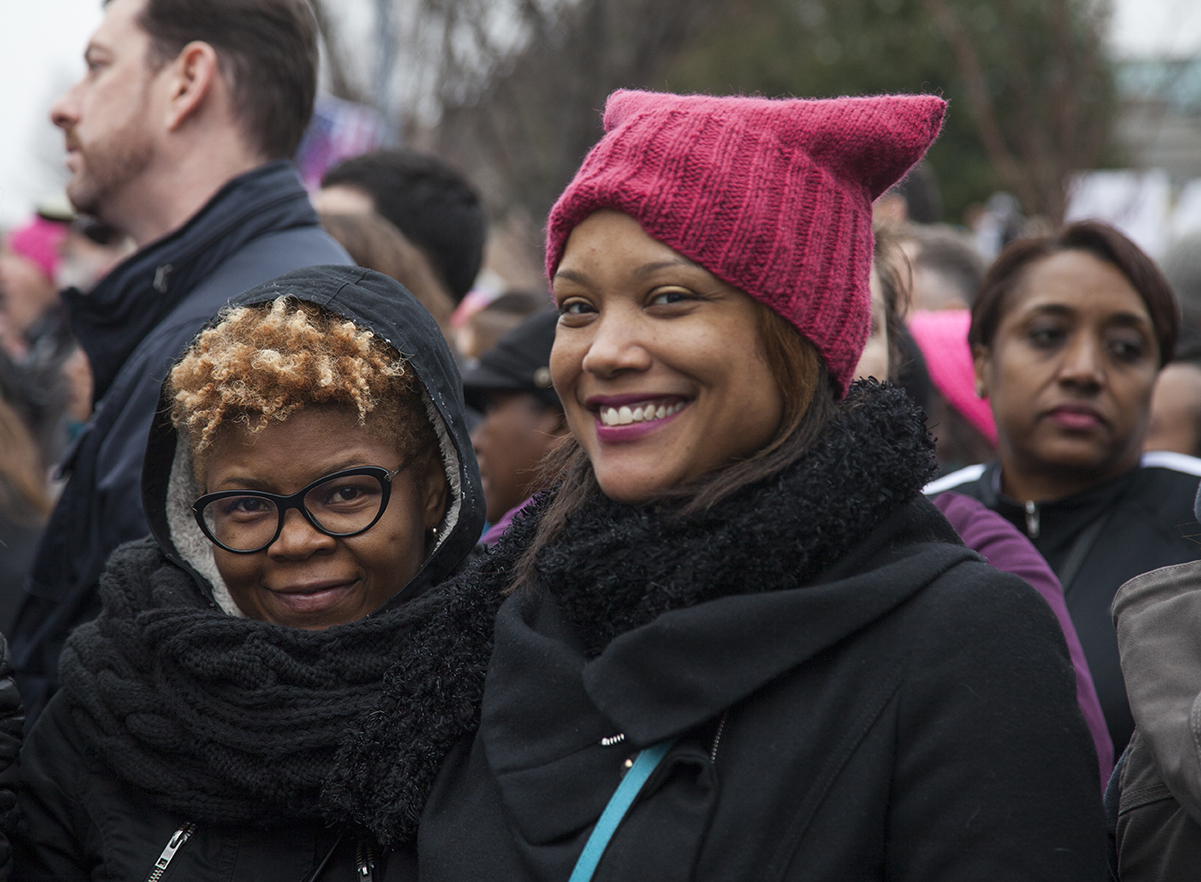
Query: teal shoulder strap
[(619, 803)]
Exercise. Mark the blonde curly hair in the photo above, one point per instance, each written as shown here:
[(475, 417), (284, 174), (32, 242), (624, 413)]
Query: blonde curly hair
[(267, 361)]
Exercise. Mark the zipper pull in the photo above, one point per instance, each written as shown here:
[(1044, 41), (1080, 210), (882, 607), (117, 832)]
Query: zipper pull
[(1032, 524), (365, 858), (182, 835)]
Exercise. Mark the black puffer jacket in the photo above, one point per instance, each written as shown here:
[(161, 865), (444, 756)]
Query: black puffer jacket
[(234, 739), (856, 695)]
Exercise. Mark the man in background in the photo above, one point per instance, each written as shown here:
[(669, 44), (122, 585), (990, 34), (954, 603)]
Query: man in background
[(179, 136), (432, 205)]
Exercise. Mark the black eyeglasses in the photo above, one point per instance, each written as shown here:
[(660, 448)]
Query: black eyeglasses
[(345, 503)]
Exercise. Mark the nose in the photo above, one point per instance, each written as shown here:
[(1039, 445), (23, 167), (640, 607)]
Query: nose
[(1083, 362), (64, 112), (618, 345), (299, 539)]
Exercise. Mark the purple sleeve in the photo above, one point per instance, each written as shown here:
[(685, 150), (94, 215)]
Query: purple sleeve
[(1000, 543), (493, 533)]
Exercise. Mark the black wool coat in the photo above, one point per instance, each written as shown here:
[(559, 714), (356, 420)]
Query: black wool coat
[(856, 695)]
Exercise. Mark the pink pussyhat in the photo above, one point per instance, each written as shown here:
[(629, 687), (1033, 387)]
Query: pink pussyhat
[(773, 197), (39, 241), (942, 338)]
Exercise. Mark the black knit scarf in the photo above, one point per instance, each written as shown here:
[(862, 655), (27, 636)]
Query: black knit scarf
[(233, 720), (621, 566), (228, 720)]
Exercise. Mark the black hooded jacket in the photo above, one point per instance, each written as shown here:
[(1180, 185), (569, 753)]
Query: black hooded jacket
[(133, 326), (187, 732)]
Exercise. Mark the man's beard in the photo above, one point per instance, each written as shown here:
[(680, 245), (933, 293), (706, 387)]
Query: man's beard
[(106, 170)]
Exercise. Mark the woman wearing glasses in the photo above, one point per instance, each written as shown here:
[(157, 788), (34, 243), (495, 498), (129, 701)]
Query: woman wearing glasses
[(307, 485)]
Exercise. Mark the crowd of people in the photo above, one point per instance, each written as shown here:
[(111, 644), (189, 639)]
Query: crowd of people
[(785, 536)]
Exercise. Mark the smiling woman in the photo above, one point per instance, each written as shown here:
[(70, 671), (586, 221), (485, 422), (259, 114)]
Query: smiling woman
[(734, 617), (299, 395), (305, 483)]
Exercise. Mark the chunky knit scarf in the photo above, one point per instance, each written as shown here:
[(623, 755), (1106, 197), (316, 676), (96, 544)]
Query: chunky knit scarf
[(226, 719), (621, 567), (230, 720)]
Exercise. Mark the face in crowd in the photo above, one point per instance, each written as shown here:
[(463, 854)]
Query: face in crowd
[(516, 433), (1069, 372), (110, 117), (305, 577), (659, 364)]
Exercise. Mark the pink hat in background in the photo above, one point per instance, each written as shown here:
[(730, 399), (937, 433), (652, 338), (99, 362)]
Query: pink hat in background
[(942, 338), (39, 240), (773, 197)]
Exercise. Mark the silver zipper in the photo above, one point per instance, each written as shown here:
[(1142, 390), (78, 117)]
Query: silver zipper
[(365, 860), (721, 726), (1032, 524), (182, 835)]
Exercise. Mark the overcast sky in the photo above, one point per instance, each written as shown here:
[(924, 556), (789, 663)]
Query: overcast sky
[(41, 46)]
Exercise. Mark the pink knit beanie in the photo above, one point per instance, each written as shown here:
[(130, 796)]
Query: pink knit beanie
[(39, 241), (942, 338), (773, 197)]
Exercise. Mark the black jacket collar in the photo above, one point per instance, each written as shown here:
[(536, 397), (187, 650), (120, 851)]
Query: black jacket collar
[(112, 319)]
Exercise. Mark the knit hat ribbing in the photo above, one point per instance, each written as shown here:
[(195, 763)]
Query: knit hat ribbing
[(771, 196)]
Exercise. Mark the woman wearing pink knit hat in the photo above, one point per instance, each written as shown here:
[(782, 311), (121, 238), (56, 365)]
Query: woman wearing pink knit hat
[(738, 642)]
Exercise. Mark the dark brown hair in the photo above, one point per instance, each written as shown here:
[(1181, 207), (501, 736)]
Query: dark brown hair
[(267, 50), (809, 405), (1103, 242)]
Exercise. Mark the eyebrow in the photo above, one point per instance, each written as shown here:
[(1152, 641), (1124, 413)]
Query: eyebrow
[(264, 484), (1124, 319), (641, 271)]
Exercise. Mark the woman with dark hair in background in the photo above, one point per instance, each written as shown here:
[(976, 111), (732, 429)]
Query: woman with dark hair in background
[(739, 643), (1068, 334)]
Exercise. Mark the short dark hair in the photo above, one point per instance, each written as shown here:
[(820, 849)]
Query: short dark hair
[(431, 204), (1098, 239), (267, 50)]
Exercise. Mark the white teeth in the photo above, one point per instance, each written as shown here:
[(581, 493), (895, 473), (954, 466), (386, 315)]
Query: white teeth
[(624, 415)]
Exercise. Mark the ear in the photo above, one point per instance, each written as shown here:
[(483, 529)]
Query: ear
[(433, 494), (980, 355), (193, 75)]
